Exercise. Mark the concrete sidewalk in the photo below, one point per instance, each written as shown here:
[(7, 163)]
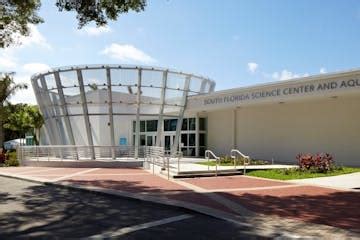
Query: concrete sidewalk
[(267, 205), (346, 181)]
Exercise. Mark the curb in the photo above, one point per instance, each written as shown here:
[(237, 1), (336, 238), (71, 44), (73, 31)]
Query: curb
[(234, 219), (238, 220)]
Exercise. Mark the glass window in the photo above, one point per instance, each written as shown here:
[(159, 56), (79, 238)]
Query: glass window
[(184, 124), (192, 124), (202, 124), (191, 152), (149, 140), (201, 151), (167, 142), (170, 124), (184, 151), (202, 141), (184, 140), (142, 140), (192, 139), (151, 125), (142, 126)]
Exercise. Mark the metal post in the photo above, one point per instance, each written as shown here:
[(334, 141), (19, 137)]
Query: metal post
[(111, 117), (159, 133), (86, 112), (137, 124), (181, 115), (65, 109), (48, 111), (137, 127), (43, 110), (168, 167)]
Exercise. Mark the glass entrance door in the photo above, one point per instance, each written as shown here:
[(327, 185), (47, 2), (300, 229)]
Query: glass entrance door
[(150, 140), (169, 140)]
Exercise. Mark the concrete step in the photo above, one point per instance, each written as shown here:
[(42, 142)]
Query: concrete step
[(210, 173)]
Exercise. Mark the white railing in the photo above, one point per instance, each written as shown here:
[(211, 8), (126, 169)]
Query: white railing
[(245, 158), (209, 153), (80, 153)]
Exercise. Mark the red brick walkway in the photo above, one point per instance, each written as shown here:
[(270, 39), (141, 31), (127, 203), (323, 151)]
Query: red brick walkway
[(306, 203)]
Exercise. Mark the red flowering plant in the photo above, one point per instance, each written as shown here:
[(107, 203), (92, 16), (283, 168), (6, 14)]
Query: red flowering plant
[(3, 156), (320, 162)]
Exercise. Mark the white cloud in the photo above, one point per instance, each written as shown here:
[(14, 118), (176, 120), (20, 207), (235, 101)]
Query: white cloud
[(23, 75), (323, 70), (127, 53), (32, 68), (35, 38), (96, 31), (24, 95), (7, 62), (286, 75), (252, 67)]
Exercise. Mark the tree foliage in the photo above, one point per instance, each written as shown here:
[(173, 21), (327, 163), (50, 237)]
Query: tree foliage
[(100, 11), (7, 88), (25, 119), (15, 17)]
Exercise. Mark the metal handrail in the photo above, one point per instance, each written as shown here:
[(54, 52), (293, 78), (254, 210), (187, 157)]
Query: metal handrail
[(245, 157), (207, 153)]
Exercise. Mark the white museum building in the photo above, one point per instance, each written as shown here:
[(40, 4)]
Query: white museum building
[(111, 105)]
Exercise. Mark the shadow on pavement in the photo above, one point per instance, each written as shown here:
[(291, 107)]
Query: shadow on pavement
[(171, 192), (44, 211), (338, 209)]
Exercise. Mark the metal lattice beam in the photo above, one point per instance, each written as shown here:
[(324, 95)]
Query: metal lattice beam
[(137, 127), (111, 117), (86, 112), (174, 147), (160, 124)]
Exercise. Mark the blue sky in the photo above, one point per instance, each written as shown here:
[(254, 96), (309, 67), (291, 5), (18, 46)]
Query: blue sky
[(236, 43)]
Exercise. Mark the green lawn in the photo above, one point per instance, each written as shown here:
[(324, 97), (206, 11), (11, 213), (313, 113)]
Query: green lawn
[(288, 174)]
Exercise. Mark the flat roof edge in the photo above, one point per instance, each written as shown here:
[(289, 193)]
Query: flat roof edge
[(285, 82)]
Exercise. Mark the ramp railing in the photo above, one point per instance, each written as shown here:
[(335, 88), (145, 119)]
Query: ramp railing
[(234, 153), (81, 153), (209, 154)]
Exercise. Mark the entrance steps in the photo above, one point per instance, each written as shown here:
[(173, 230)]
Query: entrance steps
[(189, 170), (204, 173)]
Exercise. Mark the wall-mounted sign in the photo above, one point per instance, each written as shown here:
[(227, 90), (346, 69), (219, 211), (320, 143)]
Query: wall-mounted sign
[(123, 141), (284, 91)]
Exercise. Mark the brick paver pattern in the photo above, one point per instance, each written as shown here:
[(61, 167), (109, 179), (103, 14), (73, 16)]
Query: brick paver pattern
[(306, 203)]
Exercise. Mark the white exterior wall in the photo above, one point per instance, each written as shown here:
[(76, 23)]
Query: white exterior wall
[(281, 131)]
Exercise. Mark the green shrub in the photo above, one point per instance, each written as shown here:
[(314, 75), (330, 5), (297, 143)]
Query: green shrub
[(11, 163), (227, 160), (11, 160)]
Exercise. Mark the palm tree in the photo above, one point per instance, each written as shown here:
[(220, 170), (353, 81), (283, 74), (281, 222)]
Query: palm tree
[(7, 88), (37, 121)]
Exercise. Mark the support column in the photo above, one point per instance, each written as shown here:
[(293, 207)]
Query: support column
[(159, 134), (85, 112), (197, 135), (40, 99), (137, 127), (174, 147), (234, 129), (64, 108), (111, 117), (51, 114)]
